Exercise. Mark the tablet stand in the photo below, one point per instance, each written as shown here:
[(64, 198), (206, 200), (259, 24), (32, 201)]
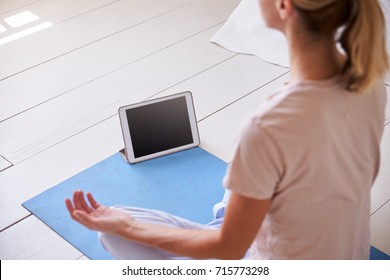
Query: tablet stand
[(123, 154)]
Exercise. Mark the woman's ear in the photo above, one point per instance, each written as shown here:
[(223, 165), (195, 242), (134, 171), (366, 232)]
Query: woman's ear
[(284, 8)]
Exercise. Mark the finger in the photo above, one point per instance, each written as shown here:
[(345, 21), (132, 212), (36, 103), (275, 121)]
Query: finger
[(84, 203), (69, 206), (92, 201), (79, 202), (76, 200)]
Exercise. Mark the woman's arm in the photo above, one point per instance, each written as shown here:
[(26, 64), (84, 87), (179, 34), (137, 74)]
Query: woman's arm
[(241, 224)]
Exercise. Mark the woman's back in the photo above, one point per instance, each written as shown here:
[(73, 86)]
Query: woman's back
[(321, 144)]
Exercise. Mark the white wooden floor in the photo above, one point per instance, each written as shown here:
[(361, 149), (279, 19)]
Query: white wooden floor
[(60, 89)]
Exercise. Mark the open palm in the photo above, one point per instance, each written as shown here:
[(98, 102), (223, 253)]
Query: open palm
[(95, 216)]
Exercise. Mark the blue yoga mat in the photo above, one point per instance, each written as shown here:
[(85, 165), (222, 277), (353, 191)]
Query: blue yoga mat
[(375, 254), (186, 184)]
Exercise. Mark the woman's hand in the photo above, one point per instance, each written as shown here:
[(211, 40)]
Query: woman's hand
[(95, 216)]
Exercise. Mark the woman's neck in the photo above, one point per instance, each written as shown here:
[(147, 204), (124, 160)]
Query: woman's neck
[(313, 59)]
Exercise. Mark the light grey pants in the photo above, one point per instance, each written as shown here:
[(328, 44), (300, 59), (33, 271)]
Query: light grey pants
[(128, 250)]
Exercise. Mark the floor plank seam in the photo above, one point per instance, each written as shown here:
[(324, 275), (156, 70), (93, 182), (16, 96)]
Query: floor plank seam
[(15, 223), (380, 207), (87, 12), (106, 5), (192, 76), (249, 93), (65, 139), (195, 34), (80, 258), (20, 7), (95, 41), (10, 164)]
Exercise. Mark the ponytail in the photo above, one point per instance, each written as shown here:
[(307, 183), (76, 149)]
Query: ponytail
[(364, 41), (363, 36)]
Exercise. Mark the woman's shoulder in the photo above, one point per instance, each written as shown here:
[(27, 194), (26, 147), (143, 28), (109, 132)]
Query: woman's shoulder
[(296, 101)]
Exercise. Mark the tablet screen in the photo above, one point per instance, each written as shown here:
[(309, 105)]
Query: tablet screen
[(159, 126)]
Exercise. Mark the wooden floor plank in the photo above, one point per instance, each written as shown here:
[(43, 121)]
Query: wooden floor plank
[(7, 6), (387, 120), (59, 10), (54, 121), (57, 76), (380, 229), (32, 240), (381, 191), (46, 11)]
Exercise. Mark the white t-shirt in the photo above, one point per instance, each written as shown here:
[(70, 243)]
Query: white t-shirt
[(313, 148)]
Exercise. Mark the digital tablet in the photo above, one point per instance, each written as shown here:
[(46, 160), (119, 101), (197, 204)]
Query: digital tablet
[(159, 127)]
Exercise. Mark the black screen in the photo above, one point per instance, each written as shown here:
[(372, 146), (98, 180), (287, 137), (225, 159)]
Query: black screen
[(160, 126)]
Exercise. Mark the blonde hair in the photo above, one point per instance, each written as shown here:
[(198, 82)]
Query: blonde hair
[(363, 36)]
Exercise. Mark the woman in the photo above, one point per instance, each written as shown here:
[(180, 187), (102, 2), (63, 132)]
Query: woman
[(304, 164)]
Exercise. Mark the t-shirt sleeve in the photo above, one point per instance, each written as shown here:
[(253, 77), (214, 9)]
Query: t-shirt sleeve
[(257, 164)]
